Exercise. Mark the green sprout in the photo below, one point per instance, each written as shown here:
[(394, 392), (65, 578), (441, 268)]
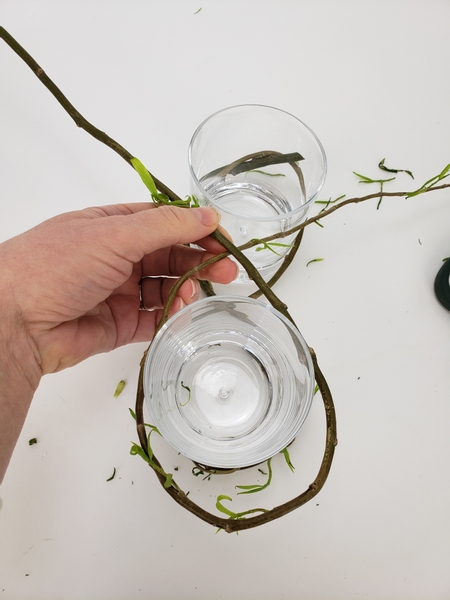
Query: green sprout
[(329, 201), (364, 179), (157, 197), (287, 458), (257, 487), (326, 205), (428, 185), (147, 456), (230, 513)]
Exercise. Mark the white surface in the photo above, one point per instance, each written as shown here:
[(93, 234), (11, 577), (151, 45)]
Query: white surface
[(371, 78)]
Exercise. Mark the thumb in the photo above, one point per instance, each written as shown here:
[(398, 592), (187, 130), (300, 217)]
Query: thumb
[(149, 230)]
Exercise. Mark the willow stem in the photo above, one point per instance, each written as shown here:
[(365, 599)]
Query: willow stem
[(230, 248), (80, 121)]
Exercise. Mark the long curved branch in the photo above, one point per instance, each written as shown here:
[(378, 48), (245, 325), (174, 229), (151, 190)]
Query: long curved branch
[(331, 437)]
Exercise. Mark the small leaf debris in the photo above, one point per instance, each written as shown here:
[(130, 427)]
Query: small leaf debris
[(32, 441), (112, 476), (197, 11), (189, 394), (384, 168), (314, 260), (119, 388)]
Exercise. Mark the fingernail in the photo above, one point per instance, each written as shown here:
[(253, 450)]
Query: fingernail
[(195, 287), (237, 272), (206, 215)]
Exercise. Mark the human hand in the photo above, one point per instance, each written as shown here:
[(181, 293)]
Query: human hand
[(70, 288), (74, 280)]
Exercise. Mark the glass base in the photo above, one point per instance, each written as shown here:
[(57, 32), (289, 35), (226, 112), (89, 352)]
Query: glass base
[(230, 390)]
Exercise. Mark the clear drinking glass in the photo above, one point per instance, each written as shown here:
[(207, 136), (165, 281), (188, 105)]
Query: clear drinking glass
[(259, 201), (228, 381)]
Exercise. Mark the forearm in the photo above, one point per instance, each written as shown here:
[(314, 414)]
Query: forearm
[(19, 377)]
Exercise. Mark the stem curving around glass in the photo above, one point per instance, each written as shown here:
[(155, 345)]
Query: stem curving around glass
[(162, 192)]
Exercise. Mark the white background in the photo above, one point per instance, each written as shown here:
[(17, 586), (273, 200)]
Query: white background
[(372, 80)]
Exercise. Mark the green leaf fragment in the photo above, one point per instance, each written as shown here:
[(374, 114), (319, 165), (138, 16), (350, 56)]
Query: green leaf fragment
[(382, 166), (136, 450), (365, 179), (169, 481), (287, 457), (330, 201), (314, 260), (428, 185), (145, 176), (189, 394), (223, 508), (197, 11), (267, 173), (192, 201), (157, 197), (119, 388), (257, 487), (268, 245), (112, 476), (133, 414), (230, 513), (32, 441)]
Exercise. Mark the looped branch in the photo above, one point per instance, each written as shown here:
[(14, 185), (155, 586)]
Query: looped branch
[(245, 163), (232, 525)]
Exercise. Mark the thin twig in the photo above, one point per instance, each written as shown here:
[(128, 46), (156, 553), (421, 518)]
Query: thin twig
[(80, 121)]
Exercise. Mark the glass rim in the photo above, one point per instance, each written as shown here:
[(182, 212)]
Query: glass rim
[(234, 298), (217, 205)]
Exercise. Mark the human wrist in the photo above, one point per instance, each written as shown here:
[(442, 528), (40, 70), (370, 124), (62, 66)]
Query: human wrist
[(19, 365), (19, 378), (19, 370)]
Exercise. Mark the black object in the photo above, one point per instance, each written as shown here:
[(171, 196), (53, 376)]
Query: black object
[(442, 285)]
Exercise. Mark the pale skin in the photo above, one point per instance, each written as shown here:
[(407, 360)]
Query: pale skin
[(69, 289)]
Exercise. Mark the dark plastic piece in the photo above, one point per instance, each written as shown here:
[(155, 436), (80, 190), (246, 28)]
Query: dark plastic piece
[(442, 286)]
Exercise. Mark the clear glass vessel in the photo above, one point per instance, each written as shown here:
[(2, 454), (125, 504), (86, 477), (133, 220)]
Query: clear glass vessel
[(228, 381), (257, 202)]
